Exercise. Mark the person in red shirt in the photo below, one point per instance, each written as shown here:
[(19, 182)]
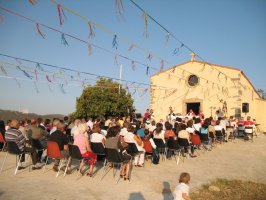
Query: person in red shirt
[(248, 122), (147, 114)]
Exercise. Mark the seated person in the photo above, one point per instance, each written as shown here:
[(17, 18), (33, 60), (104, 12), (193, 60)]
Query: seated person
[(59, 136), (15, 135), (113, 141), (83, 144), (96, 136), (140, 132), (148, 137), (183, 134), (131, 137), (159, 132), (169, 130)]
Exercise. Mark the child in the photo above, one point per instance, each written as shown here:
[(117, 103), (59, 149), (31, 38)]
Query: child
[(182, 189)]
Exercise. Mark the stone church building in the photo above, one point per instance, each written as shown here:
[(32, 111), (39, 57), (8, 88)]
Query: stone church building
[(205, 87)]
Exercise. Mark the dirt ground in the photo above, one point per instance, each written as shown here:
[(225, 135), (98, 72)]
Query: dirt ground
[(233, 160)]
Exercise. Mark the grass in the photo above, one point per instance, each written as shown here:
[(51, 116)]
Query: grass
[(231, 189)]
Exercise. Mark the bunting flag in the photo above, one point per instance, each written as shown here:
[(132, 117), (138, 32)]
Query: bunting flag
[(119, 7), (92, 30), (203, 68), (62, 72), (131, 47), (177, 50), (162, 65), (33, 2), (116, 60), (90, 49), (19, 62), (62, 88), (114, 43), (60, 12), (3, 70), (147, 70), (149, 57), (49, 87), (19, 86), (167, 37), (39, 31), (63, 40), (48, 79), (146, 17), (36, 88), (173, 71), (183, 74), (133, 65), (35, 72), (1, 18), (24, 72), (38, 66)]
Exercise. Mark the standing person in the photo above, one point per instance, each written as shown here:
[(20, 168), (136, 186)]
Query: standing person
[(182, 189), (147, 115), (190, 114)]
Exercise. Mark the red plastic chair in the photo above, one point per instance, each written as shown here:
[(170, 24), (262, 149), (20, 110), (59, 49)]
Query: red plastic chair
[(147, 146), (2, 140), (54, 152), (195, 139)]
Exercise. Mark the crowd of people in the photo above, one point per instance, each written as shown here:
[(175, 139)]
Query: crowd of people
[(117, 133)]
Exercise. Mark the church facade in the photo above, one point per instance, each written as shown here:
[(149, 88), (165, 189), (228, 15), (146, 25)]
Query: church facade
[(208, 88)]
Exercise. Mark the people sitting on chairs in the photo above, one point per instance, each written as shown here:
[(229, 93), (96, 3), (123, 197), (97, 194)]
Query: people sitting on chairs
[(183, 134), (211, 130), (96, 136), (131, 137), (83, 144), (159, 132), (249, 126), (15, 135), (59, 136), (204, 135), (169, 130), (38, 133), (197, 125), (240, 126), (113, 141), (219, 131)]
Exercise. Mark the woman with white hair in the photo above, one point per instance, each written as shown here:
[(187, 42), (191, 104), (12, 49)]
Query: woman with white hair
[(82, 142)]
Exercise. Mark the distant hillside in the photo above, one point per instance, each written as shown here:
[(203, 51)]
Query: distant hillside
[(9, 114)]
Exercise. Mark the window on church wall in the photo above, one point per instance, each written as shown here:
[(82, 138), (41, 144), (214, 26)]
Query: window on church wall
[(193, 80)]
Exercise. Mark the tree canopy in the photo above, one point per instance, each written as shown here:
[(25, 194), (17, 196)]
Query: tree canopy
[(103, 99)]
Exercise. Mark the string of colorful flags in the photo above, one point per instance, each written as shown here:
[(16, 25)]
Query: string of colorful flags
[(169, 34), (150, 54), (133, 62)]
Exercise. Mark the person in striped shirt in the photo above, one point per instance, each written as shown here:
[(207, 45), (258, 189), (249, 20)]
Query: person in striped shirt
[(15, 135)]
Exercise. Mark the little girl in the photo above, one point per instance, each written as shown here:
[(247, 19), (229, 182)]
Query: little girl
[(182, 189)]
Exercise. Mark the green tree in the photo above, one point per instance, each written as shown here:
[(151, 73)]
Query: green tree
[(103, 99)]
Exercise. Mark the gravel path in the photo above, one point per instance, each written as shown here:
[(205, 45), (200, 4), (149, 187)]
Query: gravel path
[(239, 160)]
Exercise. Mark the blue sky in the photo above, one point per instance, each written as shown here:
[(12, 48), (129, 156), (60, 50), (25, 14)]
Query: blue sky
[(230, 33)]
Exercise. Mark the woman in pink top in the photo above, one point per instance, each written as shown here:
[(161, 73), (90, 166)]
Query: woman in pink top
[(82, 142)]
